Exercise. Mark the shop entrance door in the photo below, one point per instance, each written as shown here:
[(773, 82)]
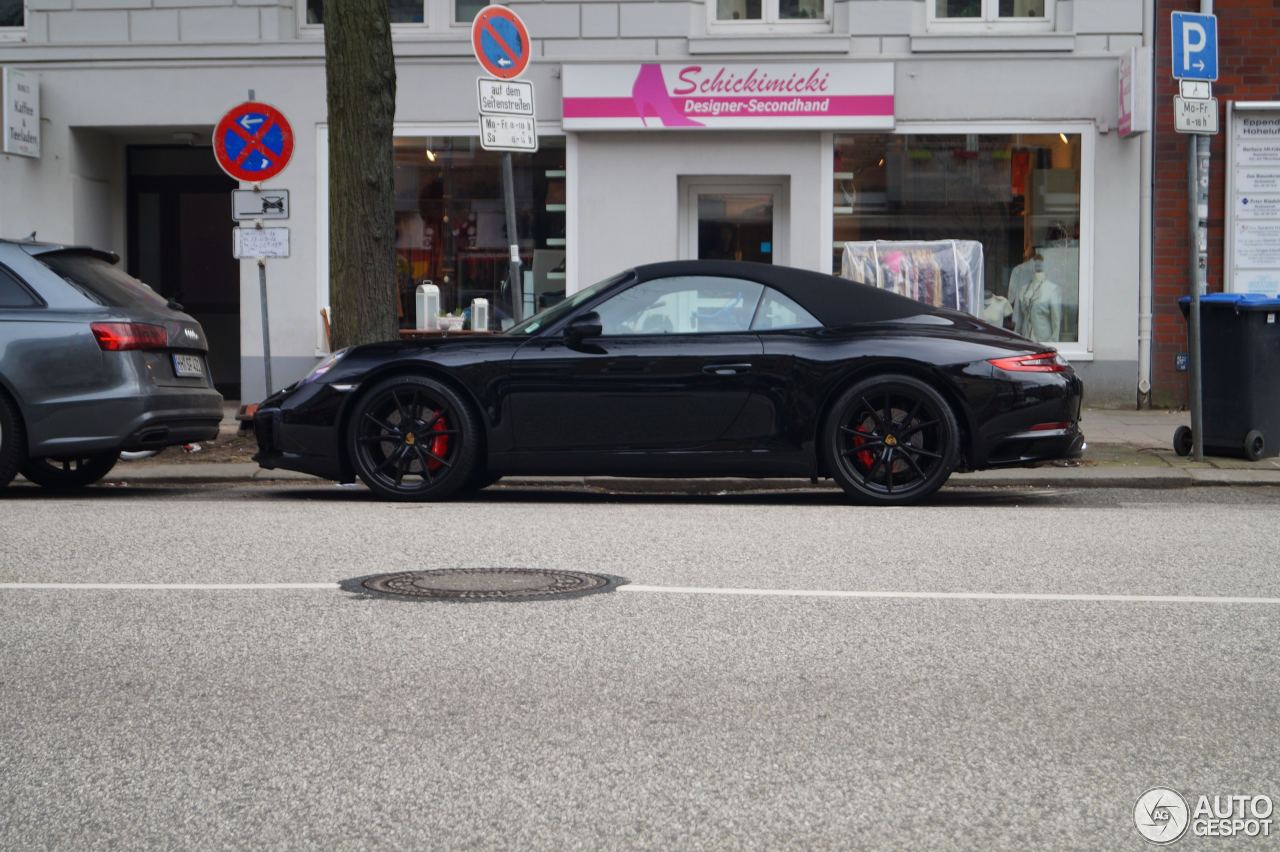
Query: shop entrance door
[(179, 237), (734, 219)]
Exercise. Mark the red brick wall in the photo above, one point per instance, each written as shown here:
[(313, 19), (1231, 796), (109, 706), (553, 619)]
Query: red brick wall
[(1249, 70)]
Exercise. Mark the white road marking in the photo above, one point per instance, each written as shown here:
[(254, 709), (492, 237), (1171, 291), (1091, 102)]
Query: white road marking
[(946, 596), (700, 590), (195, 587)]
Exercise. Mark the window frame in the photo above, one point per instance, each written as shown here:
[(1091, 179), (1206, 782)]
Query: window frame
[(1083, 348), (990, 20), (436, 20), (18, 33), (770, 22)]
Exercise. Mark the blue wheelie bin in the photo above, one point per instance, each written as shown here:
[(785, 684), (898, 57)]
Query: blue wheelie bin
[(1240, 375)]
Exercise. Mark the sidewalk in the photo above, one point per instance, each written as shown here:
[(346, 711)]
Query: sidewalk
[(1131, 449)]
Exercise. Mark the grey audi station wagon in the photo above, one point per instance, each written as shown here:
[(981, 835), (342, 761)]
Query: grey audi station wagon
[(92, 362)]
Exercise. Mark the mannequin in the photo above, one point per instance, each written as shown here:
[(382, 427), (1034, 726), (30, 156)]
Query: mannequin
[(1037, 310), (995, 309)]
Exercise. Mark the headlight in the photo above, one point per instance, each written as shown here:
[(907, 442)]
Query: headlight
[(324, 366)]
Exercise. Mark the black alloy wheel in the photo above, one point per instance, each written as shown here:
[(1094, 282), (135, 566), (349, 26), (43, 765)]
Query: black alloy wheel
[(891, 440), (12, 440), (412, 438), (67, 474)]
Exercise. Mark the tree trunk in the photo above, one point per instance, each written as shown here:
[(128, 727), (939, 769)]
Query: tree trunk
[(360, 76)]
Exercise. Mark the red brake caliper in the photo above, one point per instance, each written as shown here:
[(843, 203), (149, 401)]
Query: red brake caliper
[(866, 457), (439, 444)]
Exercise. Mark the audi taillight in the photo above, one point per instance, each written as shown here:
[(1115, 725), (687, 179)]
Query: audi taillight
[(1041, 362), (123, 336)]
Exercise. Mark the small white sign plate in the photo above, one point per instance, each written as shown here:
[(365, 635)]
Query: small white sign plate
[(247, 205), (21, 94), (1196, 90), (508, 133), (504, 97), (253, 243), (1196, 116)]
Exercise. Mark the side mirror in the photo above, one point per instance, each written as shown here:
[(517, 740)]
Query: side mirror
[(583, 327)]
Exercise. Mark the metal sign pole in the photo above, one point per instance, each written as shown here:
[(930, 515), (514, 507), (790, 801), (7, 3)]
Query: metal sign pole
[(509, 194), (266, 324), (1196, 272)]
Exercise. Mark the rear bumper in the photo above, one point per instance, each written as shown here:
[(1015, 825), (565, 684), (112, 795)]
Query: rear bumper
[(161, 417), (1036, 419)]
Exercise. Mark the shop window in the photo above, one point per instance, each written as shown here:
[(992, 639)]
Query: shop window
[(421, 12), (451, 226), (13, 14), (1019, 195), (771, 15), (994, 14)]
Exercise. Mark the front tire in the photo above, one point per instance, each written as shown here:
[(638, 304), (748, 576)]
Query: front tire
[(413, 438), (68, 474), (13, 441), (891, 440)]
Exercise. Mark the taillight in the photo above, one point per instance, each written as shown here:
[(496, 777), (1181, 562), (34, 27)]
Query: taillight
[(122, 336), (1041, 362)]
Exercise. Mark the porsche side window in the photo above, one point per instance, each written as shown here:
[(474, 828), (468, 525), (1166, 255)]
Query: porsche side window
[(695, 304), (778, 312)]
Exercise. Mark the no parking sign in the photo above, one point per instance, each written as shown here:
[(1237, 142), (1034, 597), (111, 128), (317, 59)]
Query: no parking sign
[(500, 42), (253, 142)]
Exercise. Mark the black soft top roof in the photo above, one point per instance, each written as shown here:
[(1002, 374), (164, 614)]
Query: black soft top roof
[(833, 301)]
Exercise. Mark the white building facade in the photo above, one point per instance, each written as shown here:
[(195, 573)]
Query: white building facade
[(770, 130)]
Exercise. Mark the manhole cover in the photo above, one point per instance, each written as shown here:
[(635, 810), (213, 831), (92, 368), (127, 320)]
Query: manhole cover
[(481, 584)]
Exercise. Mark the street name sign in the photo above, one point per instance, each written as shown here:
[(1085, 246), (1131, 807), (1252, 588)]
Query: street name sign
[(253, 243), (500, 42), (1195, 46), (1196, 116), (253, 142), (249, 204)]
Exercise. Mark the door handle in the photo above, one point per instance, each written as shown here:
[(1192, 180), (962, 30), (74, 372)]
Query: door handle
[(726, 369)]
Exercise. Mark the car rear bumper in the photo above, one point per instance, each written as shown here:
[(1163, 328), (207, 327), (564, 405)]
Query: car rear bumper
[(1038, 421), (159, 418)]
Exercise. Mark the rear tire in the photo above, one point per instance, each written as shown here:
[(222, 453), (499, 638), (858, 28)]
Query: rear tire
[(13, 441), (1254, 445), (68, 474), (891, 440), (413, 438)]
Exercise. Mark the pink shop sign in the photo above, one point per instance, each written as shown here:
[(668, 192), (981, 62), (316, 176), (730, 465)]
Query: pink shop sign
[(743, 96)]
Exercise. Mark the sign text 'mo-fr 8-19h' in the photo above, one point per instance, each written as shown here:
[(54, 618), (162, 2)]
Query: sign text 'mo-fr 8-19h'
[(253, 142)]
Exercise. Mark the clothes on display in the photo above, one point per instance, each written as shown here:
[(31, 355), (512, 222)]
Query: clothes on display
[(1060, 264), (1037, 312), (996, 309), (941, 273)]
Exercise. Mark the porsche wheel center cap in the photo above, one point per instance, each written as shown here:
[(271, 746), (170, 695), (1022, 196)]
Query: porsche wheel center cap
[(410, 438), (890, 441)]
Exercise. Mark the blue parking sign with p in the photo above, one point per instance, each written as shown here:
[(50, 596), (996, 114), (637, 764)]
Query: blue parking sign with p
[(1195, 46)]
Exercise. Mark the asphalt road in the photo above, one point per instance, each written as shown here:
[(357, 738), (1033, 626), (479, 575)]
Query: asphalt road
[(656, 718)]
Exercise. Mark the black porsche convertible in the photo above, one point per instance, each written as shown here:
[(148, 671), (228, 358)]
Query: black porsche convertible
[(687, 369)]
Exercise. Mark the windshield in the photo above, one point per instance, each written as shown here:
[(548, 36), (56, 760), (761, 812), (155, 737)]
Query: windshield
[(100, 280), (547, 316)]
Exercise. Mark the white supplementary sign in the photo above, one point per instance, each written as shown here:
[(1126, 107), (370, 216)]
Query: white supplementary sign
[(508, 133), (1253, 193), (504, 97), (21, 113), (738, 95), (1135, 91), (248, 204), (1195, 89), (1195, 116), (252, 243)]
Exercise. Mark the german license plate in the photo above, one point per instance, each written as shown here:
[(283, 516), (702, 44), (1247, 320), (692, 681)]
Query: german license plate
[(188, 366)]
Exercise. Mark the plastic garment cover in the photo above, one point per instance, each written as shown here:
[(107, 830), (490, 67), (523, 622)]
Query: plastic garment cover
[(940, 273)]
